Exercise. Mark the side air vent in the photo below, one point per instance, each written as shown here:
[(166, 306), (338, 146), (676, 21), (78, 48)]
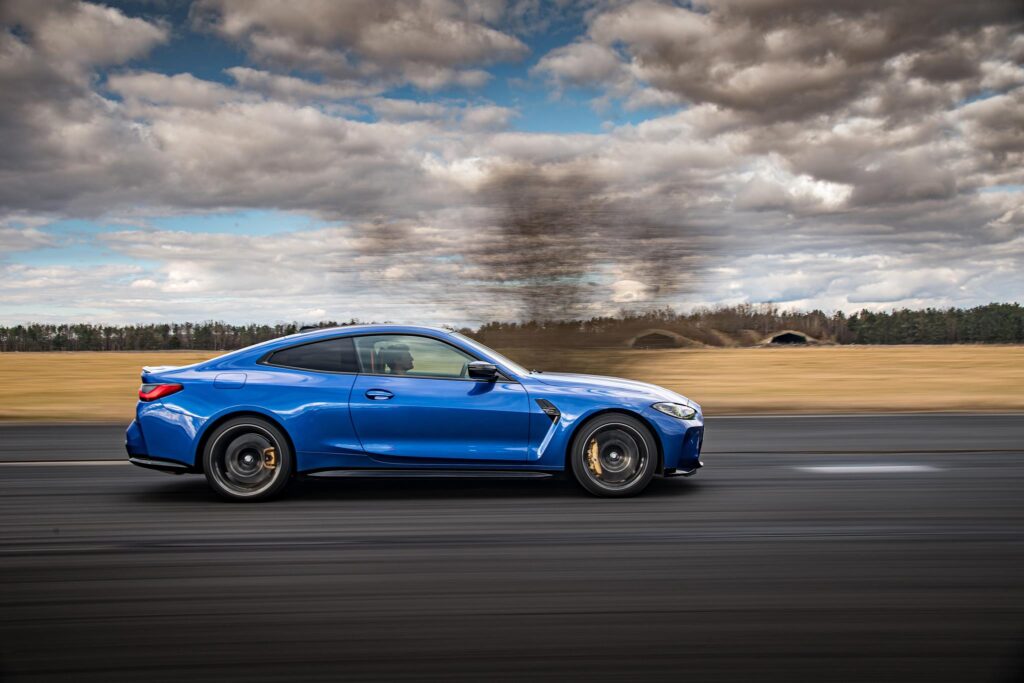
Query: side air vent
[(549, 409)]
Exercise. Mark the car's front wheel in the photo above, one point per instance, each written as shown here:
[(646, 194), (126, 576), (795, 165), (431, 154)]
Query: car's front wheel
[(247, 459), (614, 455)]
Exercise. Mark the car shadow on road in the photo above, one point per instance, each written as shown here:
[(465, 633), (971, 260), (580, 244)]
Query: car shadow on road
[(195, 489)]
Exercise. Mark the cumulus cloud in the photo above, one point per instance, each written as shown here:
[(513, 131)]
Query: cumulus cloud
[(71, 33), (407, 110), (789, 59), (291, 88), (59, 136), (583, 63), (996, 126), (430, 43), (487, 117), (780, 60), (811, 154), (338, 271), (18, 237), (180, 90)]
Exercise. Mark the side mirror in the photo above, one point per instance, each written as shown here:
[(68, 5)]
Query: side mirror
[(481, 369)]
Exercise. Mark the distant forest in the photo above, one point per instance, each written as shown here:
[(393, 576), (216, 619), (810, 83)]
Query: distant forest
[(744, 325)]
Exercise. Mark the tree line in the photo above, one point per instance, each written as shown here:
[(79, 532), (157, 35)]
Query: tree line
[(205, 336), (749, 324), (744, 324)]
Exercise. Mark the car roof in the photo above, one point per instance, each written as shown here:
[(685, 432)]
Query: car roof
[(387, 328), (250, 353)]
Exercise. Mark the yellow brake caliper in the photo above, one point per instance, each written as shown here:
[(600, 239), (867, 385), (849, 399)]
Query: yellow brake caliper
[(592, 461), (269, 458)]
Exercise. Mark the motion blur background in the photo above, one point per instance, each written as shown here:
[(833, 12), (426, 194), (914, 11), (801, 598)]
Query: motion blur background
[(807, 216)]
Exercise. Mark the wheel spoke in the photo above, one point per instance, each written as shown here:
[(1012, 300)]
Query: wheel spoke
[(247, 463), (615, 456)]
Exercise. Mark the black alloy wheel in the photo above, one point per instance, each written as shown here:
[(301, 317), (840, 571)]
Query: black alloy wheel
[(614, 455), (247, 459)]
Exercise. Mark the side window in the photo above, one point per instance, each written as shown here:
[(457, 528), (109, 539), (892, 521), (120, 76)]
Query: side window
[(331, 355), (401, 354)]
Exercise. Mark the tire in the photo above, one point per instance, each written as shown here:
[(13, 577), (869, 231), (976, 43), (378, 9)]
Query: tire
[(239, 464), (626, 456)]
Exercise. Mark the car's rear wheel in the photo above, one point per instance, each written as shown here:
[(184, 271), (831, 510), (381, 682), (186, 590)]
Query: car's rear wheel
[(247, 459), (614, 455)]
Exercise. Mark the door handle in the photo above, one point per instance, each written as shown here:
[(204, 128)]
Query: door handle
[(378, 394)]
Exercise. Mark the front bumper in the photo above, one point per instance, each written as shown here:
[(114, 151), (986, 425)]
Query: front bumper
[(675, 472), (682, 456)]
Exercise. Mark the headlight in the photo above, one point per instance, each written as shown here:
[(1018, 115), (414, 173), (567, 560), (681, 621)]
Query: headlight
[(679, 410)]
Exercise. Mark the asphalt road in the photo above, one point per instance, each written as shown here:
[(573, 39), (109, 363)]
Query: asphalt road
[(814, 434), (846, 549)]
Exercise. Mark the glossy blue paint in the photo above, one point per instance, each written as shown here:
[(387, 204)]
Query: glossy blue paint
[(440, 419), (361, 420)]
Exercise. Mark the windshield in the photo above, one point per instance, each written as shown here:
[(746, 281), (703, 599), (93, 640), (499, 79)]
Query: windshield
[(510, 364)]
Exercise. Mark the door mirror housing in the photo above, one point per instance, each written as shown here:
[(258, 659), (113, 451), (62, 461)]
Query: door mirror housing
[(481, 369)]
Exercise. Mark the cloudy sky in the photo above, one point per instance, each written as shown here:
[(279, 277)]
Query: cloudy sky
[(451, 161)]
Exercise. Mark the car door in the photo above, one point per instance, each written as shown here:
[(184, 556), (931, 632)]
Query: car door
[(413, 400), (310, 385)]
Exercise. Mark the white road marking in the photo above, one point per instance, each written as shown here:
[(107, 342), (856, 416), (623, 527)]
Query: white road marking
[(60, 463), (868, 469)]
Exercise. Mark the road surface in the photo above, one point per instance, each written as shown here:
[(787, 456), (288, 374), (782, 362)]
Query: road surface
[(824, 549)]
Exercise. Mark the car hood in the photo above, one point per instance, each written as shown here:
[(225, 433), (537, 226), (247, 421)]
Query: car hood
[(612, 385)]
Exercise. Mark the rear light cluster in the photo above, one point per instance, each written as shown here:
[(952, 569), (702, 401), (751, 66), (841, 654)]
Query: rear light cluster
[(151, 392)]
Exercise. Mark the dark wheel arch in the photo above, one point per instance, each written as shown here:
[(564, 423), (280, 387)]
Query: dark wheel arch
[(659, 469), (212, 428)]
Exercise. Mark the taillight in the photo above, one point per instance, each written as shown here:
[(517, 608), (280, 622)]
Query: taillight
[(151, 392)]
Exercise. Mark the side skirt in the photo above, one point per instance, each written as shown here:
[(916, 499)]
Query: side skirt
[(429, 474)]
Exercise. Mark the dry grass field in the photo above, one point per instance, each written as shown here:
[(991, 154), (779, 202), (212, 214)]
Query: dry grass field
[(85, 386), (825, 379), (90, 386)]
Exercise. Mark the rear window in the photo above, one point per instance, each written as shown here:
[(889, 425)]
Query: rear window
[(331, 355)]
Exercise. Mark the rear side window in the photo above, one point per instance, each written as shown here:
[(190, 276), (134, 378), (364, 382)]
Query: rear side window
[(331, 355)]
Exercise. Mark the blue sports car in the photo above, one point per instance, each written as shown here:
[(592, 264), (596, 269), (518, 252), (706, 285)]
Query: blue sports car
[(391, 397)]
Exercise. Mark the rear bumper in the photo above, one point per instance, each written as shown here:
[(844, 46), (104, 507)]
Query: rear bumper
[(159, 465), (138, 453), (134, 442)]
